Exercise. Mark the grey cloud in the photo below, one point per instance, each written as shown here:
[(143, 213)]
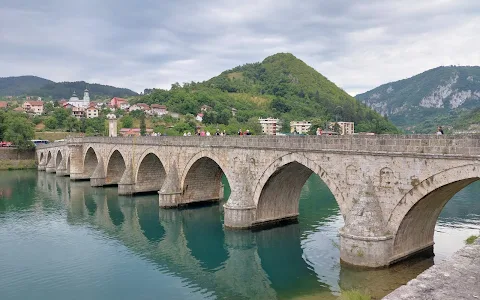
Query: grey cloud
[(143, 44)]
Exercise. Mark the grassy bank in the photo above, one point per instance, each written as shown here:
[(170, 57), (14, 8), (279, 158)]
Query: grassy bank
[(20, 164)]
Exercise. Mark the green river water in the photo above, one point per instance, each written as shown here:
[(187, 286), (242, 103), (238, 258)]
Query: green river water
[(66, 240)]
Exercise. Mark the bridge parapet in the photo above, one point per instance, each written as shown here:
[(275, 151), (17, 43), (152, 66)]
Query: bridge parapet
[(447, 145)]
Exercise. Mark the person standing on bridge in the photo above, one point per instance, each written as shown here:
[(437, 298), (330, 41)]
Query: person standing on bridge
[(439, 130)]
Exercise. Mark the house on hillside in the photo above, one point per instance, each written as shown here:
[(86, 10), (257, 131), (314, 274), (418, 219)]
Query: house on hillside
[(134, 107), (35, 107), (158, 110), (199, 117), (120, 103), (78, 112), (144, 106), (205, 108), (67, 106), (91, 111), (3, 104), (19, 109), (62, 102), (234, 111), (270, 126)]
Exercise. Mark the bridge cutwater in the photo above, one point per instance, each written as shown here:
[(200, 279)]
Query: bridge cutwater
[(389, 188)]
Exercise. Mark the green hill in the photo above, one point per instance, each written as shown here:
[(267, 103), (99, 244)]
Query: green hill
[(281, 86), (21, 85), (36, 86), (447, 96)]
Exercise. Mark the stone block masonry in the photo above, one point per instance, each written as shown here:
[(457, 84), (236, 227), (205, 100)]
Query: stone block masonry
[(457, 278), (390, 188)]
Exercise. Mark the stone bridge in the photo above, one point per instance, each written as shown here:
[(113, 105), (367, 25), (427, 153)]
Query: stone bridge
[(390, 189)]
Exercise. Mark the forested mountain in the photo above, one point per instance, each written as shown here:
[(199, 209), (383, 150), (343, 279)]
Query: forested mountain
[(281, 86), (447, 96), (36, 86), (65, 89), (21, 85)]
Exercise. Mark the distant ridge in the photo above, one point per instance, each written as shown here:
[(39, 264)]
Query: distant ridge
[(439, 96), (37, 86)]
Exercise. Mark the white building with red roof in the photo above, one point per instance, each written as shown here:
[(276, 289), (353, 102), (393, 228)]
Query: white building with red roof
[(35, 107)]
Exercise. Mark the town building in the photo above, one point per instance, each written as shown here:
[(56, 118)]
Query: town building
[(199, 117), (134, 107), (158, 110), (346, 128), (35, 107), (300, 127), (270, 126), (117, 102), (80, 103), (3, 104), (78, 112), (92, 112)]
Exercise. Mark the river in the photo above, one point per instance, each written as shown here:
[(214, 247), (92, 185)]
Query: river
[(67, 240)]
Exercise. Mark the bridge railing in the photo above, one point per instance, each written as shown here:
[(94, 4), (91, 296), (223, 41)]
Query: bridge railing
[(463, 145), (51, 145)]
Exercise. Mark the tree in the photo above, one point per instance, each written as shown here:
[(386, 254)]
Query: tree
[(71, 124), (143, 126), (280, 105), (50, 122), (48, 108), (210, 117), (137, 114), (224, 116), (127, 122), (60, 114), (20, 131)]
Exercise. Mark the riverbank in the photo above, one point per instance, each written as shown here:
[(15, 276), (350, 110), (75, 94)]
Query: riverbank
[(17, 164), (14, 159), (455, 278)]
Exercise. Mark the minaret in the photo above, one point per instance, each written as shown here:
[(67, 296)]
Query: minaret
[(86, 98)]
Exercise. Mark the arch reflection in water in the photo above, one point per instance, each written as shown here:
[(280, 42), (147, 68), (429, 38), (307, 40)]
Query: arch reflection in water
[(280, 263)]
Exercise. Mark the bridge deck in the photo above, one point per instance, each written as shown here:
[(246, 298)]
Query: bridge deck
[(453, 145)]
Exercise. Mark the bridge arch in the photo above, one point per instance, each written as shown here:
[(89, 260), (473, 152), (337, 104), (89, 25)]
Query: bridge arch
[(414, 217), (202, 178), (58, 159), (41, 158), (90, 162), (116, 166), (150, 174), (277, 192)]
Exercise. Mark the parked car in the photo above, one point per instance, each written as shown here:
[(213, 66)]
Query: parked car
[(6, 144)]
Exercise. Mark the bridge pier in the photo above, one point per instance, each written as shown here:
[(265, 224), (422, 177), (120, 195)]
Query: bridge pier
[(76, 162), (240, 211), (62, 171), (365, 240), (50, 168), (41, 166)]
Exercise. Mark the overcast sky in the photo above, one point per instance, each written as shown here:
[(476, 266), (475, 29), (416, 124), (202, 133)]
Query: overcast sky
[(358, 44)]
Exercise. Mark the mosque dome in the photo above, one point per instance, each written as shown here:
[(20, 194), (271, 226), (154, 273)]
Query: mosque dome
[(74, 97)]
